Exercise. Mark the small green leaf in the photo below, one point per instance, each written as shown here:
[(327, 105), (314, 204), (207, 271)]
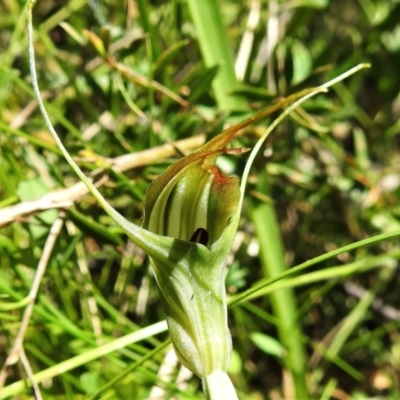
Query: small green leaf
[(318, 4), (254, 93), (202, 83), (105, 37), (7, 245), (96, 42), (72, 32), (302, 62), (32, 189), (235, 364), (90, 381), (168, 55), (267, 344)]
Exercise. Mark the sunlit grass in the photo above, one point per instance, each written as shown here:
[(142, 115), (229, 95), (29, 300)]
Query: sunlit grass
[(332, 181)]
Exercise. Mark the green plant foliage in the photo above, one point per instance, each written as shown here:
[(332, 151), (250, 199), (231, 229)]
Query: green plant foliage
[(132, 88)]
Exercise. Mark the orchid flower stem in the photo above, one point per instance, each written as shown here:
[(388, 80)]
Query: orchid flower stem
[(218, 386)]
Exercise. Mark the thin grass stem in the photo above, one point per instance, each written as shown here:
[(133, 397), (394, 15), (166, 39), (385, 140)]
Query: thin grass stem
[(283, 301), (216, 51)]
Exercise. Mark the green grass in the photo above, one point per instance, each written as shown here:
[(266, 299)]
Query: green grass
[(312, 281)]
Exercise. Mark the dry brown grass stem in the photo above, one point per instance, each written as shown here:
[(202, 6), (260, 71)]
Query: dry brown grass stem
[(65, 198)]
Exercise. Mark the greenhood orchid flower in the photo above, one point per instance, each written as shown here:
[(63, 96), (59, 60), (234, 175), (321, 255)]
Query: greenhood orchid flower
[(191, 214), (194, 202)]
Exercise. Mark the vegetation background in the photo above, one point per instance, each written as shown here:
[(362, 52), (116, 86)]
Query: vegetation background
[(328, 177)]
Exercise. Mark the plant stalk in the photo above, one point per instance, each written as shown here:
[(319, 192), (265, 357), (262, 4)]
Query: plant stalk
[(218, 386), (214, 45)]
